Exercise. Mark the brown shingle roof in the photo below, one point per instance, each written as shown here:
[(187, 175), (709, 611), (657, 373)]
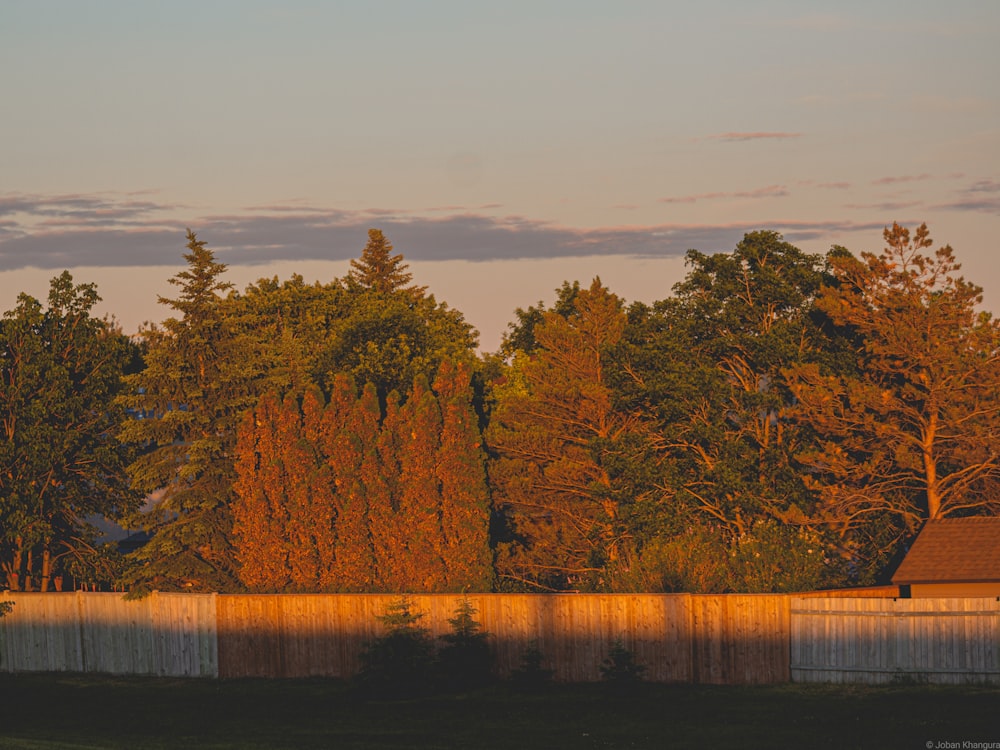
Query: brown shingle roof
[(954, 550)]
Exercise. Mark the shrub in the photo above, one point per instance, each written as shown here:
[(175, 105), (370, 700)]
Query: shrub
[(620, 670), (531, 675), (399, 662), (465, 660)]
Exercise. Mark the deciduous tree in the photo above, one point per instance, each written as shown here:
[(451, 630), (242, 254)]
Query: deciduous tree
[(60, 462), (703, 372)]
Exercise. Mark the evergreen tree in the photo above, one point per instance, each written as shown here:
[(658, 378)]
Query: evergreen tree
[(551, 437), (382, 472), (350, 430), (418, 506), (197, 382), (380, 271), (312, 510), (389, 332), (914, 433), (262, 508), (288, 325), (465, 500)]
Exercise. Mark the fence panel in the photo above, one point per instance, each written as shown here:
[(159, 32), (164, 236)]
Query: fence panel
[(163, 634), (41, 634), (876, 641), (740, 639), (324, 635)]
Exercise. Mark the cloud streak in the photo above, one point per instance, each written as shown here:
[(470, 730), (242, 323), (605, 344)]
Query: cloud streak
[(99, 232), (751, 136), (896, 179), (770, 191)]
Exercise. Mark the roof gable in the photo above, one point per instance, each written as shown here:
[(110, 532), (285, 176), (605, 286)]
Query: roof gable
[(954, 550)]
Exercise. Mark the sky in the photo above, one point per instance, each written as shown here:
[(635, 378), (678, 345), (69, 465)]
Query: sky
[(501, 147)]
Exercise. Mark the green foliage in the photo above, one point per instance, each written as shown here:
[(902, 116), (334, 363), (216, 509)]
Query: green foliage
[(199, 379), (401, 661), (60, 372), (620, 669), (100, 567), (531, 675), (520, 335), (465, 661), (704, 373), (556, 440), (913, 432)]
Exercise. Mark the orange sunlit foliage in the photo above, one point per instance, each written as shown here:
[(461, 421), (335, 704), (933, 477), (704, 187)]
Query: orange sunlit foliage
[(340, 498), (550, 478), (915, 433), (260, 517), (347, 430), (465, 496)]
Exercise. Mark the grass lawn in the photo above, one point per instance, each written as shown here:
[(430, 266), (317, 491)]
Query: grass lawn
[(74, 711)]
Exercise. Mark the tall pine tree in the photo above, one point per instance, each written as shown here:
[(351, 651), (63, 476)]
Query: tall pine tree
[(552, 435), (196, 384), (914, 433)]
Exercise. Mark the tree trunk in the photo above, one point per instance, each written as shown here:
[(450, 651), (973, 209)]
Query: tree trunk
[(930, 470), (46, 569)]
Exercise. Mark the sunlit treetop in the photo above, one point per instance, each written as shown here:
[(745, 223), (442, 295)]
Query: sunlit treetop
[(379, 270)]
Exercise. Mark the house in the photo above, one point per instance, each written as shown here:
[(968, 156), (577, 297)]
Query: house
[(953, 557)]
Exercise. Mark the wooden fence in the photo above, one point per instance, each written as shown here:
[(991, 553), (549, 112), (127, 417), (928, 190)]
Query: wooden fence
[(887, 640), (163, 634), (680, 638), (728, 639)]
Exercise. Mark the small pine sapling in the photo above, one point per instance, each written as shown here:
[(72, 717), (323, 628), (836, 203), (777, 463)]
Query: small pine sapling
[(530, 675), (400, 661), (620, 670), (465, 661)]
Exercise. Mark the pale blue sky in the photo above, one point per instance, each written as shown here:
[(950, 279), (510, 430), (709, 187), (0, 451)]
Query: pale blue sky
[(503, 147)]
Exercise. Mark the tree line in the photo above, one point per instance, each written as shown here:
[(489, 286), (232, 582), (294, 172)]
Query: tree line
[(782, 421)]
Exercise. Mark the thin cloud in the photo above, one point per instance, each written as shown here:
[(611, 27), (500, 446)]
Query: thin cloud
[(984, 205), (751, 136), (984, 186), (770, 191), (896, 179), (982, 196), (886, 206)]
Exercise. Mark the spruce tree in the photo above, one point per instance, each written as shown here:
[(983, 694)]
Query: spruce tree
[(553, 436), (192, 393), (379, 270)]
